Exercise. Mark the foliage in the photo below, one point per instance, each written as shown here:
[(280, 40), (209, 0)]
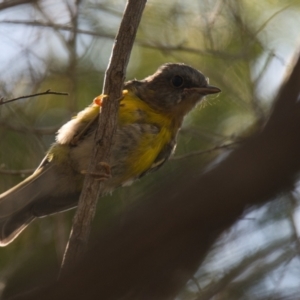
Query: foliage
[(244, 47)]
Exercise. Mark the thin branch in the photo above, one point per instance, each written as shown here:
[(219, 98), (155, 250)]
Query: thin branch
[(47, 19), (210, 20), (256, 103), (260, 272), (105, 7), (200, 152), (12, 3), (264, 68), (292, 220), (25, 129), (195, 281), (166, 48), (114, 79), (213, 16), (16, 172), (263, 25), (216, 287), (72, 47), (59, 27), (48, 92)]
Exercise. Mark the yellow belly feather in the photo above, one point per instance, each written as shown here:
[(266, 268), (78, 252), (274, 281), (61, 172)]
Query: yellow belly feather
[(132, 110)]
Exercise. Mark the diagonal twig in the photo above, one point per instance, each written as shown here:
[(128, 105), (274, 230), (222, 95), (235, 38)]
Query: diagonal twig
[(48, 92), (113, 82)]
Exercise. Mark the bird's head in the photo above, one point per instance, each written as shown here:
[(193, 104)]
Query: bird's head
[(173, 88)]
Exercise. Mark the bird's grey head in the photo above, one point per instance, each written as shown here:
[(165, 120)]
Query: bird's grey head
[(171, 85)]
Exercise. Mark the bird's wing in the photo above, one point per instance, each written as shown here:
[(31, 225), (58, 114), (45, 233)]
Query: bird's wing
[(162, 157), (26, 192), (78, 127)]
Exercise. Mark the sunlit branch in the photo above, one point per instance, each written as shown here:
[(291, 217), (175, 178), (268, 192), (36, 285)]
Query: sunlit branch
[(12, 3), (151, 45), (48, 92), (16, 172), (200, 152), (24, 129)]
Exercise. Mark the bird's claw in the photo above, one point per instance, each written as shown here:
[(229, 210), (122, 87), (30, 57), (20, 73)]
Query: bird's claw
[(100, 176)]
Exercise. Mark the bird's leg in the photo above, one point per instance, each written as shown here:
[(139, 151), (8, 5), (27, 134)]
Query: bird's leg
[(100, 176)]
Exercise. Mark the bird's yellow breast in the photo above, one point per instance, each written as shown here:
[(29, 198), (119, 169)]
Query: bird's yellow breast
[(135, 111), (144, 130)]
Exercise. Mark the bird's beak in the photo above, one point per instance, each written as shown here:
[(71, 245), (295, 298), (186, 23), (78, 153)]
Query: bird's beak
[(207, 90)]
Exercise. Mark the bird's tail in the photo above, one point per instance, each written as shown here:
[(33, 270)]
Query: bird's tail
[(40, 194), (12, 226), (16, 203)]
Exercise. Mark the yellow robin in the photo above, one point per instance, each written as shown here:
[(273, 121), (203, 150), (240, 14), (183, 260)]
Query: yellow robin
[(150, 115)]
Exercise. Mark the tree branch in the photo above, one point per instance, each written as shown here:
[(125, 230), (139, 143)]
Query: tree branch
[(251, 261), (163, 47), (113, 83), (12, 3), (200, 152), (16, 172), (48, 92)]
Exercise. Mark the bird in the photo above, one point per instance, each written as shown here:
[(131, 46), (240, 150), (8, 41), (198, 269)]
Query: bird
[(150, 115)]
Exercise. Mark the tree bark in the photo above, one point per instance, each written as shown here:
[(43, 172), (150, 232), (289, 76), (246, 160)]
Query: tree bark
[(107, 124)]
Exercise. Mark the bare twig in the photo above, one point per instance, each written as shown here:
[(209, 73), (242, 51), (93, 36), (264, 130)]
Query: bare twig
[(264, 24), (164, 47), (72, 46), (293, 222), (16, 172), (194, 153), (113, 83), (256, 105), (210, 20), (56, 26), (48, 92), (251, 261), (12, 3), (26, 129), (266, 267)]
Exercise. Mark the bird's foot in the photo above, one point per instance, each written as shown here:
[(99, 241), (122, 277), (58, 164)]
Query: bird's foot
[(103, 175)]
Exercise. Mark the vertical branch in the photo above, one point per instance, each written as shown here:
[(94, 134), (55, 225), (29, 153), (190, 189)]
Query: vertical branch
[(107, 124), (72, 69)]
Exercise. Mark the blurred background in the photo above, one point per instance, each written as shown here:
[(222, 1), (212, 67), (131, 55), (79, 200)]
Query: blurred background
[(245, 47)]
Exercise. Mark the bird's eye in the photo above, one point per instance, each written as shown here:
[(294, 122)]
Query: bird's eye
[(177, 81)]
